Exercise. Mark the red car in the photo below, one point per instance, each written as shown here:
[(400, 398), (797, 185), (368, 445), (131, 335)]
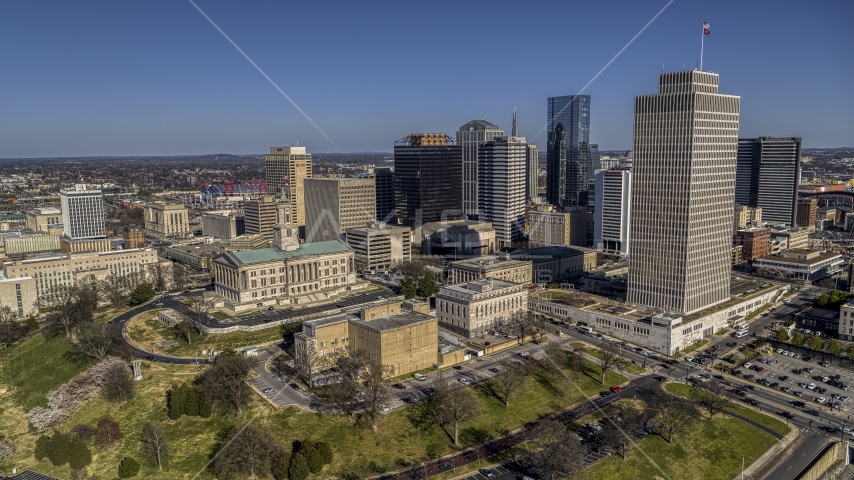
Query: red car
[(616, 389), (760, 369)]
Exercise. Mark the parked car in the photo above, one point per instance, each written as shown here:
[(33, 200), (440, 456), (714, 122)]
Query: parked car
[(465, 381), (616, 389)]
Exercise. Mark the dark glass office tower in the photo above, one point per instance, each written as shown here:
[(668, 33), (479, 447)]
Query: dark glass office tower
[(572, 112), (385, 194), (428, 177), (767, 175)]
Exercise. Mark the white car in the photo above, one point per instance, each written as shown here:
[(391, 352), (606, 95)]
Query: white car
[(690, 358), (523, 354), (796, 355), (747, 365), (779, 350), (383, 407), (811, 386), (465, 381), (820, 400)]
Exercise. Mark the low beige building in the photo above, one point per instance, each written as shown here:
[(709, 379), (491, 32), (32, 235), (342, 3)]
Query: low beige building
[(167, 220), (558, 228), (518, 271), (39, 219), (380, 246), (19, 294), (31, 244), (799, 238), (557, 263), (52, 271), (473, 308), (746, 216), (79, 245), (389, 334)]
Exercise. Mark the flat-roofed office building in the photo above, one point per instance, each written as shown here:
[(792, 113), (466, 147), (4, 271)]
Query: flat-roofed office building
[(685, 142)]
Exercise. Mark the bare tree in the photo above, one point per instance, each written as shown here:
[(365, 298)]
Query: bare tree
[(159, 277), (673, 415), (118, 385), (522, 324), (342, 396), (617, 434), (454, 405), (306, 361), (185, 329), (712, 397), (114, 290), (559, 458), (225, 383), (245, 452), (10, 329), (609, 357), (179, 276), (509, 381), (351, 366), (92, 340), (375, 390), (155, 446), (200, 308)]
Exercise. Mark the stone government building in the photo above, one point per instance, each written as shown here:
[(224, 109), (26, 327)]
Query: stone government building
[(286, 273)]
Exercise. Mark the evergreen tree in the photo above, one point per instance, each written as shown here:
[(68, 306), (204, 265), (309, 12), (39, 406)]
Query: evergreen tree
[(325, 452), (128, 468), (142, 293), (175, 402), (782, 335), (427, 285), (298, 467), (280, 465), (42, 446), (58, 450), (312, 457), (191, 401), (407, 287), (205, 406), (79, 456)]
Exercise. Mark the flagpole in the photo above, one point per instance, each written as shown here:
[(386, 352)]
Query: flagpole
[(702, 44)]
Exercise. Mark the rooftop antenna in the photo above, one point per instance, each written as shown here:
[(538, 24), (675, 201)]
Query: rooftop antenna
[(481, 114)]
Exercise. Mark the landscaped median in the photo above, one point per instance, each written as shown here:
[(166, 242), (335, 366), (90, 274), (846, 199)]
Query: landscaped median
[(632, 368), (151, 335)]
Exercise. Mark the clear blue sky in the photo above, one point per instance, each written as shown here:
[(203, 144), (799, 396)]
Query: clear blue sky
[(155, 78)]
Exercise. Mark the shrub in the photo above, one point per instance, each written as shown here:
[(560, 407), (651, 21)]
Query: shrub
[(325, 452), (58, 450), (298, 467), (107, 432), (313, 457), (79, 456), (128, 468), (42, 446)]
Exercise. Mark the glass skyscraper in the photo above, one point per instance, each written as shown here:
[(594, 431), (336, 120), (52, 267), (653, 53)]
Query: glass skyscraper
[(568, 172)]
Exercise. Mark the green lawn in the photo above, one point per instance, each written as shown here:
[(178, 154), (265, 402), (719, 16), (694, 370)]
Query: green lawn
[(779, 426), (758, 311), (358, 451), (695, 346), (706, 451), (36, 366), (632, 368), (145, 329), (220, 316)]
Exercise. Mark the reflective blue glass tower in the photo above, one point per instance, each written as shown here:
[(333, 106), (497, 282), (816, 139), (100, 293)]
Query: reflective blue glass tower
[(567, 172)]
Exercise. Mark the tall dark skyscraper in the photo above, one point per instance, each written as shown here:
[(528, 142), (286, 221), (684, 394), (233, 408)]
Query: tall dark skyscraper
[(767, 175), (385, 193), (428, 177), (568, 172)]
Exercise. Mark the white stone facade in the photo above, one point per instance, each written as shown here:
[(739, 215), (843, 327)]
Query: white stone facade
[(473, 308)]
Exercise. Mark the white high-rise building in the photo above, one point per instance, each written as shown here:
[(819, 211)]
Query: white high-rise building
[(685, 142), (82, 213), (613, 211), (471, 136), (501, 187)]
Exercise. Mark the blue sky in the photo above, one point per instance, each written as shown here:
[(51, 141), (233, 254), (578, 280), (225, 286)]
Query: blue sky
[(155, 78)]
